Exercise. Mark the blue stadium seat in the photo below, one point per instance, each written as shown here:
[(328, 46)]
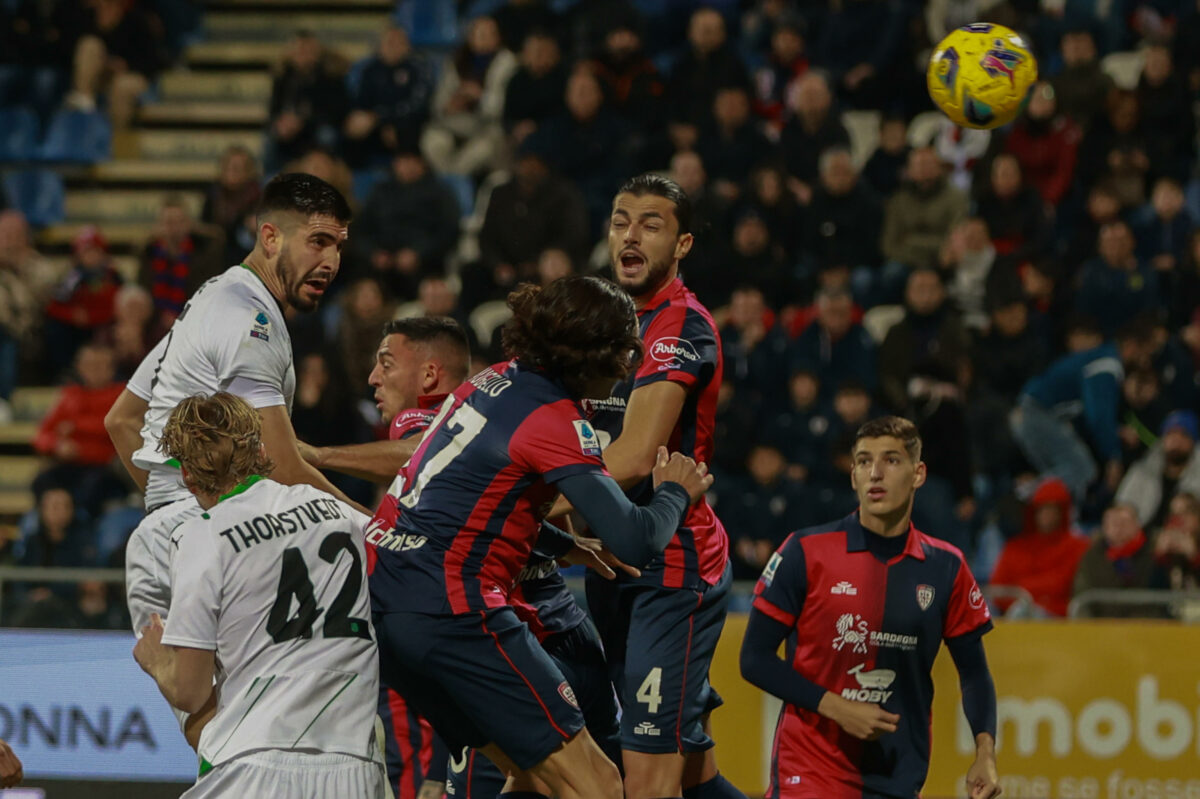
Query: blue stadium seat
[(81, 137), (430, 23), (38, 193), (18, 134), (464, 190), (364, 180), (354, 76)]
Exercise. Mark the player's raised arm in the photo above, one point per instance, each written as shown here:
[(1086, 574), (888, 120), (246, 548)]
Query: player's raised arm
[(124, 425)]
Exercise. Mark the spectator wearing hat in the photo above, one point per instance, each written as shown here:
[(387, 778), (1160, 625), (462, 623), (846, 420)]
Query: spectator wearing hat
[(84, 302), (1171, 466), (1120, 558), (1043, 557)]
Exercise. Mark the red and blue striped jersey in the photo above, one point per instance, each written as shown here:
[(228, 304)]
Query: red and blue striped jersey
[(869, 631), (476, 490), (683, 346)]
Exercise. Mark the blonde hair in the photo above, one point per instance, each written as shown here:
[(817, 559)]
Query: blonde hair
[(217, 440)]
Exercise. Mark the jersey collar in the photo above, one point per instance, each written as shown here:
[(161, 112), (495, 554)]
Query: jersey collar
[(856, 538), (240, 487), (664, 295), (428, 401)]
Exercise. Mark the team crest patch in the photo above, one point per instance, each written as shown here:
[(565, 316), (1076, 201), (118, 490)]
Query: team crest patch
[(566, 692), (589, 440), (261, 327), (924, 596)]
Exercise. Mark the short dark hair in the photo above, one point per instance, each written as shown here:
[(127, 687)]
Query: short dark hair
[(304, 194), (575, 329), (662, 186), (896, 427), (439, 330)]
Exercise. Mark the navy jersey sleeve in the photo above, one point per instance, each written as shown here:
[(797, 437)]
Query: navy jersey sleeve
[(556, 442), (681, 346), (780, 591)]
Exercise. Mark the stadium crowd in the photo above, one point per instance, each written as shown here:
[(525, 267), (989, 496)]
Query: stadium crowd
[(1029, 296)]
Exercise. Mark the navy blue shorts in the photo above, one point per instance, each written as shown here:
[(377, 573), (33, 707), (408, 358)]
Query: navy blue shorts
[(580, 656), (660, 642), (409, 745), (479, 679)]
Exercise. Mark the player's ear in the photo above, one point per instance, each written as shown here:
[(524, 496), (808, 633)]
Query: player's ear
[(683, 245), (270, 237), (919, 475)]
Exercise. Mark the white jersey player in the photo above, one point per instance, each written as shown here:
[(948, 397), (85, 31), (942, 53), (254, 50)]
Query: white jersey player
[(231, 336), (270, 598)]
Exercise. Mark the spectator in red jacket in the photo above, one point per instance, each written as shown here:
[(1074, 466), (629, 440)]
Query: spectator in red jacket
[(83, 303), (73, 434), (1045, 143), (1043, 557)]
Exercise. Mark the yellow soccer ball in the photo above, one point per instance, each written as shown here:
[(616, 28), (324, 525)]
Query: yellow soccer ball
[(980, 75)]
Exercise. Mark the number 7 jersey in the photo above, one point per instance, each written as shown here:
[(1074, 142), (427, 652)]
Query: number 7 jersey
[(273, 580)]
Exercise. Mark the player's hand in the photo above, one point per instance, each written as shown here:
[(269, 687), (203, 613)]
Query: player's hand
[(982, 780), (149, 648), (11, 772), (592, 553), (679, 468), (865, 721)]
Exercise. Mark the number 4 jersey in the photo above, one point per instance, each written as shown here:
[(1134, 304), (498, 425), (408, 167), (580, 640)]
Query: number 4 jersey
[(273, 579)]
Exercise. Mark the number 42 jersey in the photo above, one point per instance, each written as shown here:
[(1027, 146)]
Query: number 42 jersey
[(273, 580)]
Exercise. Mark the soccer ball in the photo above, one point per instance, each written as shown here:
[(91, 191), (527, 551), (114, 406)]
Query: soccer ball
[(980, 75)]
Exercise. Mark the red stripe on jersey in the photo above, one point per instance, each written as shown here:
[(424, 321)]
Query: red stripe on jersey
[(476, 525), (541, 704), (401, 733), (766, 606)]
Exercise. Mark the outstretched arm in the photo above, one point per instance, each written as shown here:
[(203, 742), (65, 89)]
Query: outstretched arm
[(376, 461), (279, 440)]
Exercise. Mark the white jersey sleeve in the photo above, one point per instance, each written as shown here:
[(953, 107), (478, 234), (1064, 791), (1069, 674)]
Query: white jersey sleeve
[(196, 570), (141, 382), (253, 357)]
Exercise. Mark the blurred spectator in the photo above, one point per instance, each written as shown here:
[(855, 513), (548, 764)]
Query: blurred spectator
[(1169, 468), (1044, 556), (554, 264), (1115, 148), (632, 84), (1166, 114), (1044, 143), (769, 195), (19, 313), (465, 136), (1143, 410), (99, 607), (708, 63), (1183, 286), (518, 18), (308, 101), (534, 211), (18, 255), (409, 225), (365, 310), (786, 62), (176, 260), (844, 217), (389, 102), (753, 344), (83, 302), (1014, 212), (35, 52), (1116, 286), (1103, 207), (769, 507), (803, 428), (730, 143), (813, 128), (921, 213), (885, 168), (852, 407), (858, 43), (1086, 385), (835, 348), (1119, 558), (135, 329), (966, 260), (121, 51), (925, 353), (1177, 546), (325, 165), (232, 198), (1082, 86), (587, 145), (536, 90), (1163, 230), (54, 534), (960, 150), (72, 433)]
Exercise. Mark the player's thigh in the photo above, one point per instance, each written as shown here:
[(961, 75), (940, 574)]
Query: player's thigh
[(292, 775), (514, 693), (673, 635), (580, 656)]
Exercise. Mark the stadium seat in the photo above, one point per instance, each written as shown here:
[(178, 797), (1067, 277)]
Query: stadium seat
[(863, 127), (486, 318), (880, 319), (924, 128), (464, 191), (430, 23), (18, 134), (80, 137), (38, 193), (1125, 68)]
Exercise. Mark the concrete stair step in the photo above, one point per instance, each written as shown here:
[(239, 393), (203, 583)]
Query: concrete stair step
[(123, 236), (16, 503), (281, 24), (251, 54), (185, 144), (124, 205), (127, 265), (184, 84), (252, 114), (17, 471), (30, 403), (378, 6), (146, 171)]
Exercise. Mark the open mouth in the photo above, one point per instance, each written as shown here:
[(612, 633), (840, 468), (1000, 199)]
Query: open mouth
[(317, 285), (632, 262), (876, 493)]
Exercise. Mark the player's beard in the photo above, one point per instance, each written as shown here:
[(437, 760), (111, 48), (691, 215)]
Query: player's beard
[(641, 286), (294, 298)]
